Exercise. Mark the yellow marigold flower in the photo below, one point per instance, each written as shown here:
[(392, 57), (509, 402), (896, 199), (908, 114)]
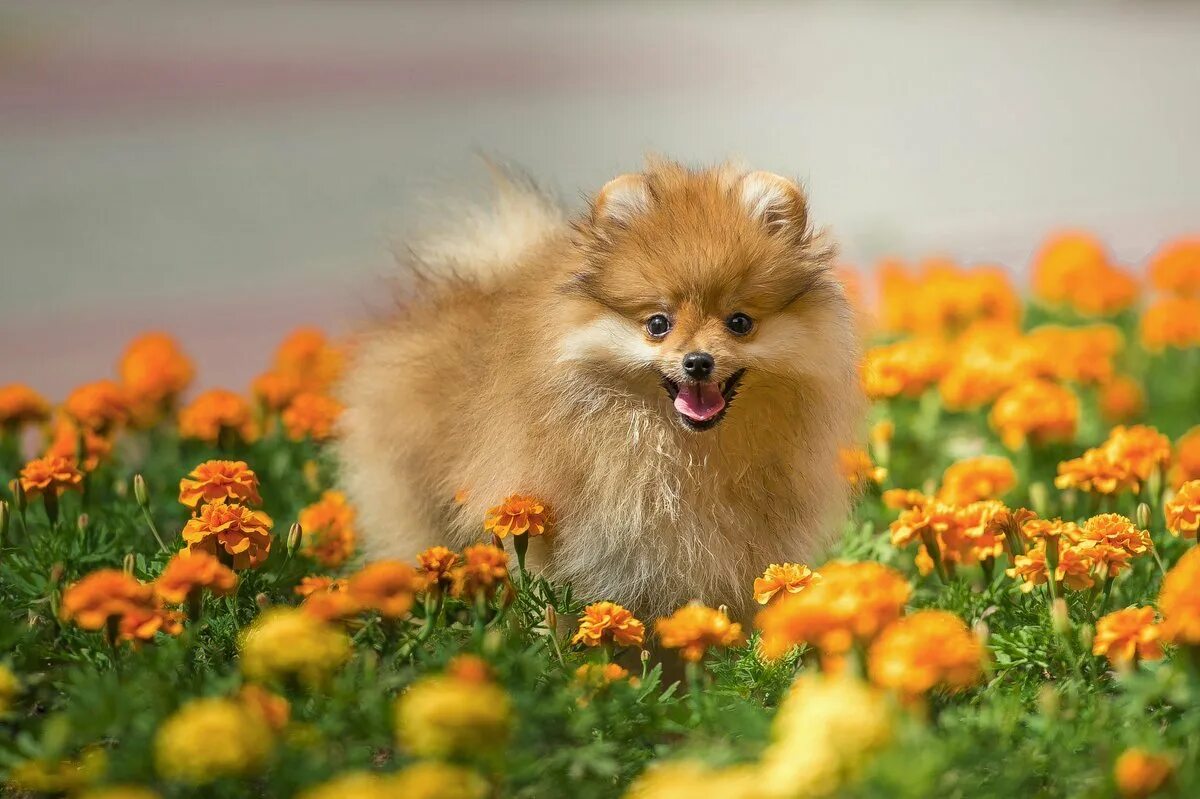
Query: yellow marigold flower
[(483, 571), (353, 785), (1179, 600), (851, 602), (10, 686), (99, 405), (688, 779), (431, 780), (1117, 531), (188, 572), (273, 709), (974, 479), (1141, 448), (1183, 511), (328, 523), (905, 368), (1171, 322), (694, 628), (1035, 410), (286, 642), (232, 532), (517, 515), (50, 475), (184, 749), (311, 416), (856, 466), (1139, 773), (59, 776), (21, 405), (825, 729), (119, 792), (1187, 458), (143, 624), (1175, 268), (436, 564), (216, 414), (926, 649), (1121, 399), (1096, 472), (597, 675), (441, 716), (154, 371), (1128, 635), (105, 594), (220, 480), (790, 578), (608, 621), (387, 586)]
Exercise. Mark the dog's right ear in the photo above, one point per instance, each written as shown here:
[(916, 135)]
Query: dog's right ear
[(622, 200)]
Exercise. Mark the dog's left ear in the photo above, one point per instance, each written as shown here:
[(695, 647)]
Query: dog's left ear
[(776, 201)]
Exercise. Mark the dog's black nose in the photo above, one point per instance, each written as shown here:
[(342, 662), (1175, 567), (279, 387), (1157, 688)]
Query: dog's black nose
[(698, 365)]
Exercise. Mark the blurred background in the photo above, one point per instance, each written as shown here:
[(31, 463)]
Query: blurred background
[(226, 171)]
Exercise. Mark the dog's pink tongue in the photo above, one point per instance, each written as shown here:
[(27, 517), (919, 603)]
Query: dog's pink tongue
[(699, 401)]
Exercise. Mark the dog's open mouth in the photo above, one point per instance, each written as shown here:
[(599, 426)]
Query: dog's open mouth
[(702, 405)]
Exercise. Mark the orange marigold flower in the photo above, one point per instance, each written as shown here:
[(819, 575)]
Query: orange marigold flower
[(926, 649), (105, 594), (484, 569), (1035, 410), (217, 413), (21, 405), (941, 297), (694, 628), (1121, 399), (1142, 449), (234, 531), (50, 475), (1117, 531), (1030, 567), (913, 524), (1139, 773), (469, 668), (275, 389), (1096, 472), (851, 602), (387, 586), (1187, 458), (1183, 510), (213, 480), (790, 578), (99, 405), (272, 708), (1073, 269), (1074, 570), (1079, 354), (1108, 560), (66, 438), (188, 572), (328, 524), (517, 515), (154, 370), (905, 498), (311, 416), (316, 583), (608, 620), (1125, 636), (975, 479), (1171, 322), (598, 675), (1179, 600), (142, 624), (856, 466), (332, 604), (307, 354), (905, 368), (436, 563), (1175, 269)]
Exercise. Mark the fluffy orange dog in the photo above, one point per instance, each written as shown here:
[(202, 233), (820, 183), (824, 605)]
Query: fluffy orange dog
[(672, 372)]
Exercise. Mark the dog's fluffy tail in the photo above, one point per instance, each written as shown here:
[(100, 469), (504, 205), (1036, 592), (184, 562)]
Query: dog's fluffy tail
[(480, 243)]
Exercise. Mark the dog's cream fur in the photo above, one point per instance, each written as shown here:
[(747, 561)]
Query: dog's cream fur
[(523, 365)]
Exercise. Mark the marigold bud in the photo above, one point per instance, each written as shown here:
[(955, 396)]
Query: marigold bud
[(1143, 515), (3, 521), (127, 564), (139, 491), (18, 492), (551, 618), (82, 521), (295, 536), (1060, 619)]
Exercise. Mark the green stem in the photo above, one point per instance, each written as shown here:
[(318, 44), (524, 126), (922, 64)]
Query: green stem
[(154, 529)]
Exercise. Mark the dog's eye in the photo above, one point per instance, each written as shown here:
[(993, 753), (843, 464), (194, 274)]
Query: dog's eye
[(739, 324), (658, 325)]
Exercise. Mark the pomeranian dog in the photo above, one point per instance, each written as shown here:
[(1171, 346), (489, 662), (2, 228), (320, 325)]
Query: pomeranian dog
[(672, 371)]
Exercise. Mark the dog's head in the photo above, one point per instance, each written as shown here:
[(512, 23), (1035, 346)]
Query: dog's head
[(710, 283)]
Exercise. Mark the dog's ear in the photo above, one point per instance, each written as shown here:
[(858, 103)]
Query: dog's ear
[(622, 199), (775, 200)]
